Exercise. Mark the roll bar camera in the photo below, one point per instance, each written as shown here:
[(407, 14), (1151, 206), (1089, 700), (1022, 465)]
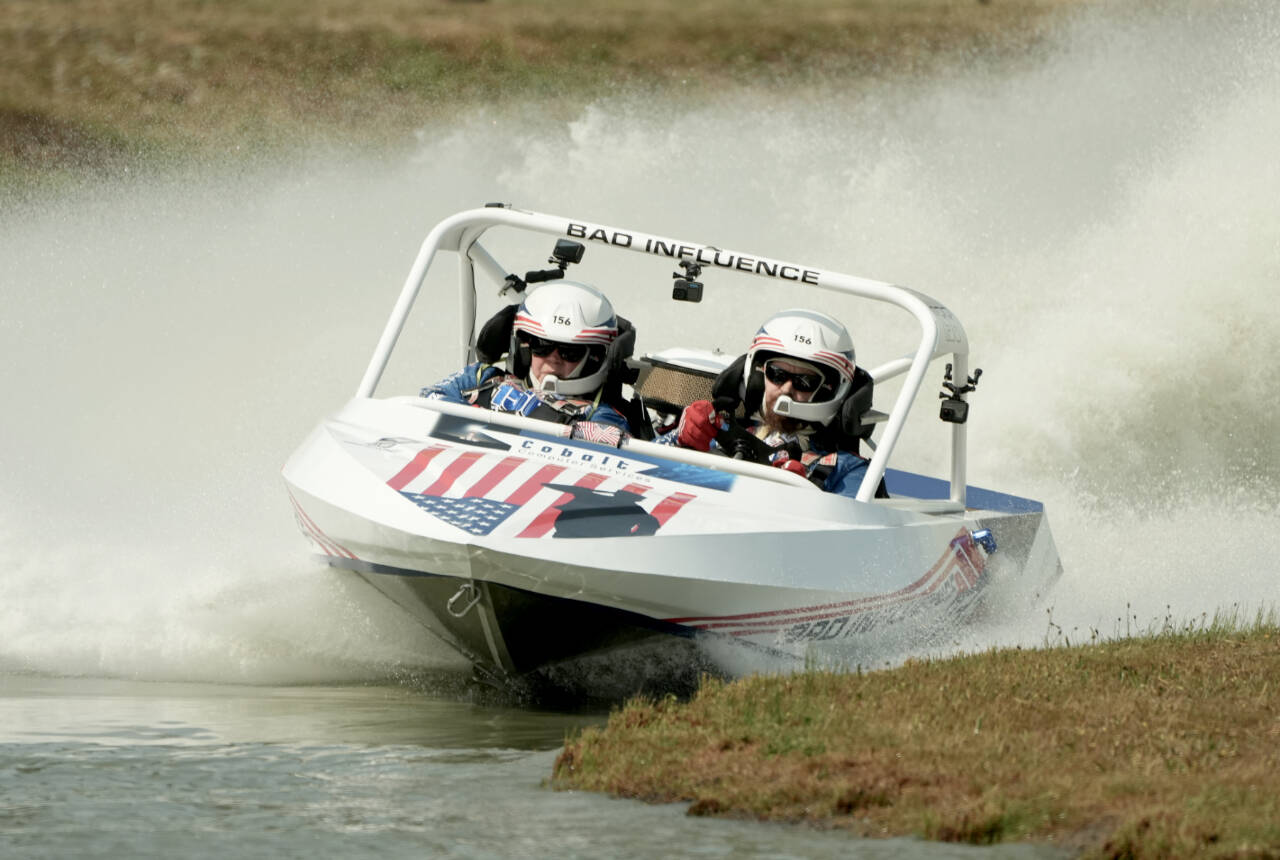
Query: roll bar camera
[(955, 410), (686, 289), (565, 253)]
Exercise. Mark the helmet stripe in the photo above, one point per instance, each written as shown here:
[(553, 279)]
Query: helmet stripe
[(840, 361)]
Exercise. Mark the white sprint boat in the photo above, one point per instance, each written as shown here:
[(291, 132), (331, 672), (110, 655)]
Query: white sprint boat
[(606, 570)]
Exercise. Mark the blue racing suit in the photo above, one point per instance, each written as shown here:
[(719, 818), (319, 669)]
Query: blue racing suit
[(489, 386)]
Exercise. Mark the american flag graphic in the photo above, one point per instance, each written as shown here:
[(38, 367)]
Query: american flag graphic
[(477, 491), (478, 516)]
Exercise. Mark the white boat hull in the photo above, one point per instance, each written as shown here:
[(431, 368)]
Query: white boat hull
[(478, 531)]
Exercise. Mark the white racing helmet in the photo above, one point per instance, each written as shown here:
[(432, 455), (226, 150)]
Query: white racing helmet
[(814, 338), (571, 313)]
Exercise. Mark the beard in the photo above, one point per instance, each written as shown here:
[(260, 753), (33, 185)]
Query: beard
[(776, 422)]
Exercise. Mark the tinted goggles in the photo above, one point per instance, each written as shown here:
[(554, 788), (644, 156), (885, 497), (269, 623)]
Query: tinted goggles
[(570, 352), (802, 382)]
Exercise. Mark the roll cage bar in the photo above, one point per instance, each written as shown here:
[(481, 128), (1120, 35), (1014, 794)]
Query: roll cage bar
[(941, 334)]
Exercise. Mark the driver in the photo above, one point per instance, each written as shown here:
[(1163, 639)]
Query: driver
[(803, 363), (557, 365)]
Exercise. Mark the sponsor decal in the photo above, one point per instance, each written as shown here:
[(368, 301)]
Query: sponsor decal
[(575, 453), (954, 582), (572, 454), (702, 254), (640, 467)]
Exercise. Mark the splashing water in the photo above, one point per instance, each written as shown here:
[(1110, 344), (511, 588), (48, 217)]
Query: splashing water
[(1102, 221)]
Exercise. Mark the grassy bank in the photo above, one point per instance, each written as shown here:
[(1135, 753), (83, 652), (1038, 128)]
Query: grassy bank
[(102, 85), (1167, 745)]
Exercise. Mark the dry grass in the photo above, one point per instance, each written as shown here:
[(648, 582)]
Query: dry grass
[(1163, 746), (99, 83)]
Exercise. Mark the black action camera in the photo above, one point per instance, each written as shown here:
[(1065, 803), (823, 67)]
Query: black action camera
[(954, 411), (567, 251), (686, 289)]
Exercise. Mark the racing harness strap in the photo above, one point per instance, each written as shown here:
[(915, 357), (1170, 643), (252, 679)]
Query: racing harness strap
[(505, 393)]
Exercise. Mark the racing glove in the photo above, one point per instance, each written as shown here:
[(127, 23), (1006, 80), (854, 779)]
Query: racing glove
[(783, 460), (698, 426)]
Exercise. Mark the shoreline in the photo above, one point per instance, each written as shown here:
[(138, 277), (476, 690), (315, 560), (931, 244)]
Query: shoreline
[(115, 87), (1162, 745)]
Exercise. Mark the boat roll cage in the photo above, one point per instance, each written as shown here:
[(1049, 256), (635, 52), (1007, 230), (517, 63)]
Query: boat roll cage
[(941, 334)]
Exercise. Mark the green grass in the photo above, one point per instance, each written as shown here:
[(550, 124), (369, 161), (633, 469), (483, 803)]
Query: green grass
[(1162, 745)]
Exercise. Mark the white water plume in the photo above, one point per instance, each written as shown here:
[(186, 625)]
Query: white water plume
[(1102, 220)]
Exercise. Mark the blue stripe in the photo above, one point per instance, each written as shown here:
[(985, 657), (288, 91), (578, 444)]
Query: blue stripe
[(915, 486)]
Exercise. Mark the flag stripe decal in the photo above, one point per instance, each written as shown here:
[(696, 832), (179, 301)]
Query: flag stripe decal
[(451, 472), (414, 468), (530, 487), (667, 508), (543, 522), (493, 477), (478, 491)]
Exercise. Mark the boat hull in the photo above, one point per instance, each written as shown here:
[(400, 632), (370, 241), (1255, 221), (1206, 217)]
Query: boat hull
[(546, 646), (690, 575)]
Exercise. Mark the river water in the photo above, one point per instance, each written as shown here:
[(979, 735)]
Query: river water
[(177, 677)]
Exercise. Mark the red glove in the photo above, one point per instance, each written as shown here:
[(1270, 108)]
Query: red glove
[(698, 426), (783, 461)]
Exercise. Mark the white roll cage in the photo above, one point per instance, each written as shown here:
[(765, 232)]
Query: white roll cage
[(940, 332)]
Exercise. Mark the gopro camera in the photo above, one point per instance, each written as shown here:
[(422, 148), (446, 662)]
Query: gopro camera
[(954, 411), (567, 251), (686, 290)]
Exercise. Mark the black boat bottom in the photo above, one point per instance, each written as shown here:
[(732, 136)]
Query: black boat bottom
[(541, 646)]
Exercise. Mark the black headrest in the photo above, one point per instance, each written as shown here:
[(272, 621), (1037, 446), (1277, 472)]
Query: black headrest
[(856, 404), (846, 429), (625, 342), (495, 335), (730, 394)]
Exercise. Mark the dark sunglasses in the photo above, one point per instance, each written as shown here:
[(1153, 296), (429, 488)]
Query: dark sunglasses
[(570, 352), (803, 382)]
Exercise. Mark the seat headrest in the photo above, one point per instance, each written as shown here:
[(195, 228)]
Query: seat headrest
[(624, 345), (846, 429), (495, 335), (733, 394)]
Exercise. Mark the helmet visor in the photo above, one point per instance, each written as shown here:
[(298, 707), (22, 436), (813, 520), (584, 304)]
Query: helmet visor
[(541, 347), (804, 382)]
